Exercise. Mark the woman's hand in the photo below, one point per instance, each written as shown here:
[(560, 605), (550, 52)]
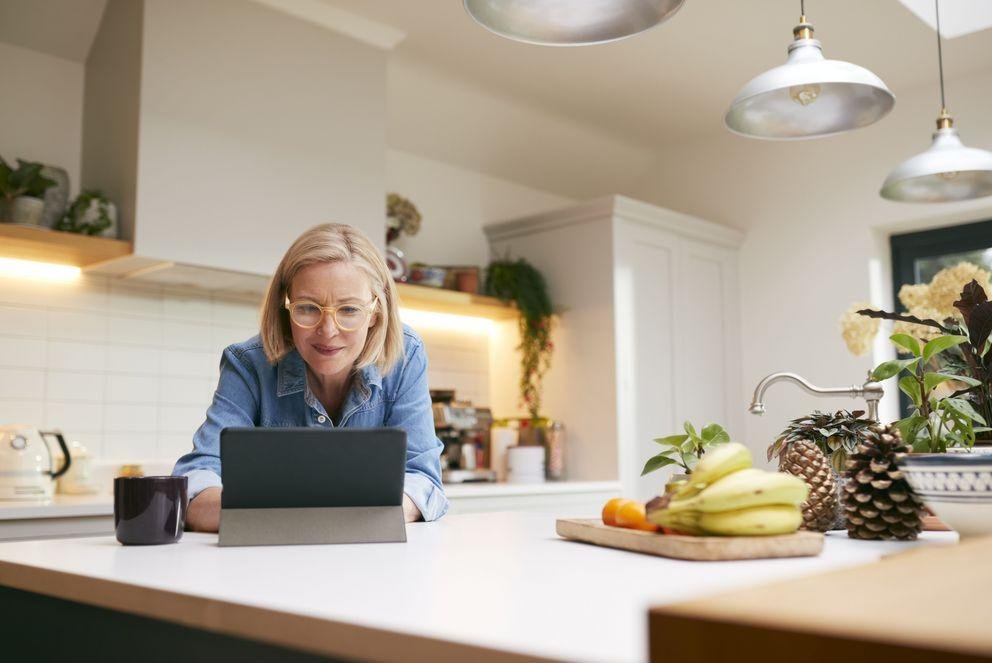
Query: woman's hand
[(410, 511), (203, 514)]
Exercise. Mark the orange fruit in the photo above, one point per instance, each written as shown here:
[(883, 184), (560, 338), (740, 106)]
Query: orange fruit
[(632, 515), (610, 510)]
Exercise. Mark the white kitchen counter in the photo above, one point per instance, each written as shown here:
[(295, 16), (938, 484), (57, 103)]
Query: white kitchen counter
[(88, 515), (473, 587)]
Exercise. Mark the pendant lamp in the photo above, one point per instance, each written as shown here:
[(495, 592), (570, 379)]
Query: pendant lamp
[(946, 172), (808, 96), (570, 22)]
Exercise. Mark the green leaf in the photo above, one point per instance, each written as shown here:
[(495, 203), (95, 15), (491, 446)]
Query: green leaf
[(910, 427), (909, 386), (931, 380), (940, 344), (971, 382), (715, 434), (690, 429), (672, 440), (964, 408), (690, 461), (921, 445), (656, 463), (887, 369), (908, 342)]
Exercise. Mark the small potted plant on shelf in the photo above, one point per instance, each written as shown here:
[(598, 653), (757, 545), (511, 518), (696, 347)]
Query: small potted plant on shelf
[(23, 189), (521, 283), (90, 214)]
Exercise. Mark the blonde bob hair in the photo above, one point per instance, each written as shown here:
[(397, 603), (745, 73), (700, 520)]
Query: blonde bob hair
[(335, 242)]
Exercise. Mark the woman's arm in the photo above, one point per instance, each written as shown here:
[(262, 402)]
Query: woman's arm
[(235, 403), (411, 411)]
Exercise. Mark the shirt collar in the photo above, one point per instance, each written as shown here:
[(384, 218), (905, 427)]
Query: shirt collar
[(292, 375)]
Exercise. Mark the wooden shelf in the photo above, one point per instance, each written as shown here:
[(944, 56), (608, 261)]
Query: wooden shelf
[(425, 298), (25, 242)]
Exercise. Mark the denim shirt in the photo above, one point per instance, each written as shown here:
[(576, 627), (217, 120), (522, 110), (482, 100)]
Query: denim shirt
[(253, 392)]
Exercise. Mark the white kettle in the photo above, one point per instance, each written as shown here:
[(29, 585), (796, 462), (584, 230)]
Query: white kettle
[(26, 463)]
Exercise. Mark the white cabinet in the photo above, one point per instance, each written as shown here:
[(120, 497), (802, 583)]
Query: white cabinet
[(648, 334)]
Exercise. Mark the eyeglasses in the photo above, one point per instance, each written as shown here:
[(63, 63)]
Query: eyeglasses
[(348, 317)]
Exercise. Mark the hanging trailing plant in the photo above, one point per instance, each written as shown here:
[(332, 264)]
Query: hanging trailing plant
[(520, 282)]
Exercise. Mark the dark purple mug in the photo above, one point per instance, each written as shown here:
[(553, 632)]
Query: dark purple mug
[(149, 510)]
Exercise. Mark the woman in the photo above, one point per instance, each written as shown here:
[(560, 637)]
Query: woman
[(331, 353)]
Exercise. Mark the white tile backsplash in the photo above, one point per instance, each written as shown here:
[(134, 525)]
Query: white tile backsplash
[(19, 411), (30, 321), (130, 417), (130, 369), (134, 331), (77, 326), (75, 355), (132, 389), (16, 352), (84, 386), (28, 384)]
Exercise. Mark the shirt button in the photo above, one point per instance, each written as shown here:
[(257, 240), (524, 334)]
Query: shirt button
[(321, 419)]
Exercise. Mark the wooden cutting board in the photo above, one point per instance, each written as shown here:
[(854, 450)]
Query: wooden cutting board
[(703, 548)]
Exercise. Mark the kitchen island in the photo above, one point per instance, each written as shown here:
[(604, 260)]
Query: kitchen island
[(479, 587)]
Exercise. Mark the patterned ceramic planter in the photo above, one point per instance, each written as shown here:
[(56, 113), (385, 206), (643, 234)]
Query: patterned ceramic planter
[(956, 486)]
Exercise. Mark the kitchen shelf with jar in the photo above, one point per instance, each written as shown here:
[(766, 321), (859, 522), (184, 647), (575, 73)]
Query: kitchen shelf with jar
[(26, 242)]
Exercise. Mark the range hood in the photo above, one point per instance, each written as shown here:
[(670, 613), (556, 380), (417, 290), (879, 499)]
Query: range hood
[(222, 130)]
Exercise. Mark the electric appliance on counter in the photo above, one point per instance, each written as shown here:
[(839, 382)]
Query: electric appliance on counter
[(27, 463), (464, 431)]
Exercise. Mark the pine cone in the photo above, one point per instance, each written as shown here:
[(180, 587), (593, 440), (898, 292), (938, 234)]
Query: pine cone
[(805, 460), (878, 502)]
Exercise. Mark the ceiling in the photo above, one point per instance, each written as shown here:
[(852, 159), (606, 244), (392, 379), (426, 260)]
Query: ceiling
[(673, 83), (668, 85)]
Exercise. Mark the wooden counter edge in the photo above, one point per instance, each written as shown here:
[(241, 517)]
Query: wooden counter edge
[(298, 632), (912, 606)]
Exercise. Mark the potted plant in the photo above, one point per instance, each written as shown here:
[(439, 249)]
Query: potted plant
[(23, 189), (520, 282), (90, 214), (947, 369), (685, 450), (402, 218)]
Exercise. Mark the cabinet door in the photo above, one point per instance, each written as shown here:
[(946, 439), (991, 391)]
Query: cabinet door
[(708, 361), (677, 333), (646, 285)]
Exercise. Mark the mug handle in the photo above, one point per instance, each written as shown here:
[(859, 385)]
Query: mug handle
[(65, 451)]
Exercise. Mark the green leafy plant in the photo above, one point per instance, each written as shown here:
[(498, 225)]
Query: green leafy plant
[(685, 449), (935, 422), (25, 180), (836, 435), (76, 219), (520, 282)]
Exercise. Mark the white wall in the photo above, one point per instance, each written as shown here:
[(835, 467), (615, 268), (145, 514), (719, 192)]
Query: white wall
[(455, 203), (816, 229), (41, 111)]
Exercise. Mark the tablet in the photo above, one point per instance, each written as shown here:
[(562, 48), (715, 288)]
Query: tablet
[(287, 486)]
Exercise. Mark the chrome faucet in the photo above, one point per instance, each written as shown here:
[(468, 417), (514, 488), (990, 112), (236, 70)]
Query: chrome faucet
[(871, 391)]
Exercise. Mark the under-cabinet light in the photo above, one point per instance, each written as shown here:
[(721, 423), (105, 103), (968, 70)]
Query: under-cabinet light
[(38, 271), (433, 320)]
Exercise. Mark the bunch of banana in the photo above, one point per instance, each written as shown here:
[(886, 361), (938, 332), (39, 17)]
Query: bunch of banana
[(725, 496)]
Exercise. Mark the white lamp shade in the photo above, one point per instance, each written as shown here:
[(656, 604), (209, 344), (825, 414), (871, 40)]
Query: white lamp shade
[(844, 97), (946, 172), (570, 22)]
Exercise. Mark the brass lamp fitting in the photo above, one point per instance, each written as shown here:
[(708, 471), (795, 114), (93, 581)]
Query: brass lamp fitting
[(804, 30)]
